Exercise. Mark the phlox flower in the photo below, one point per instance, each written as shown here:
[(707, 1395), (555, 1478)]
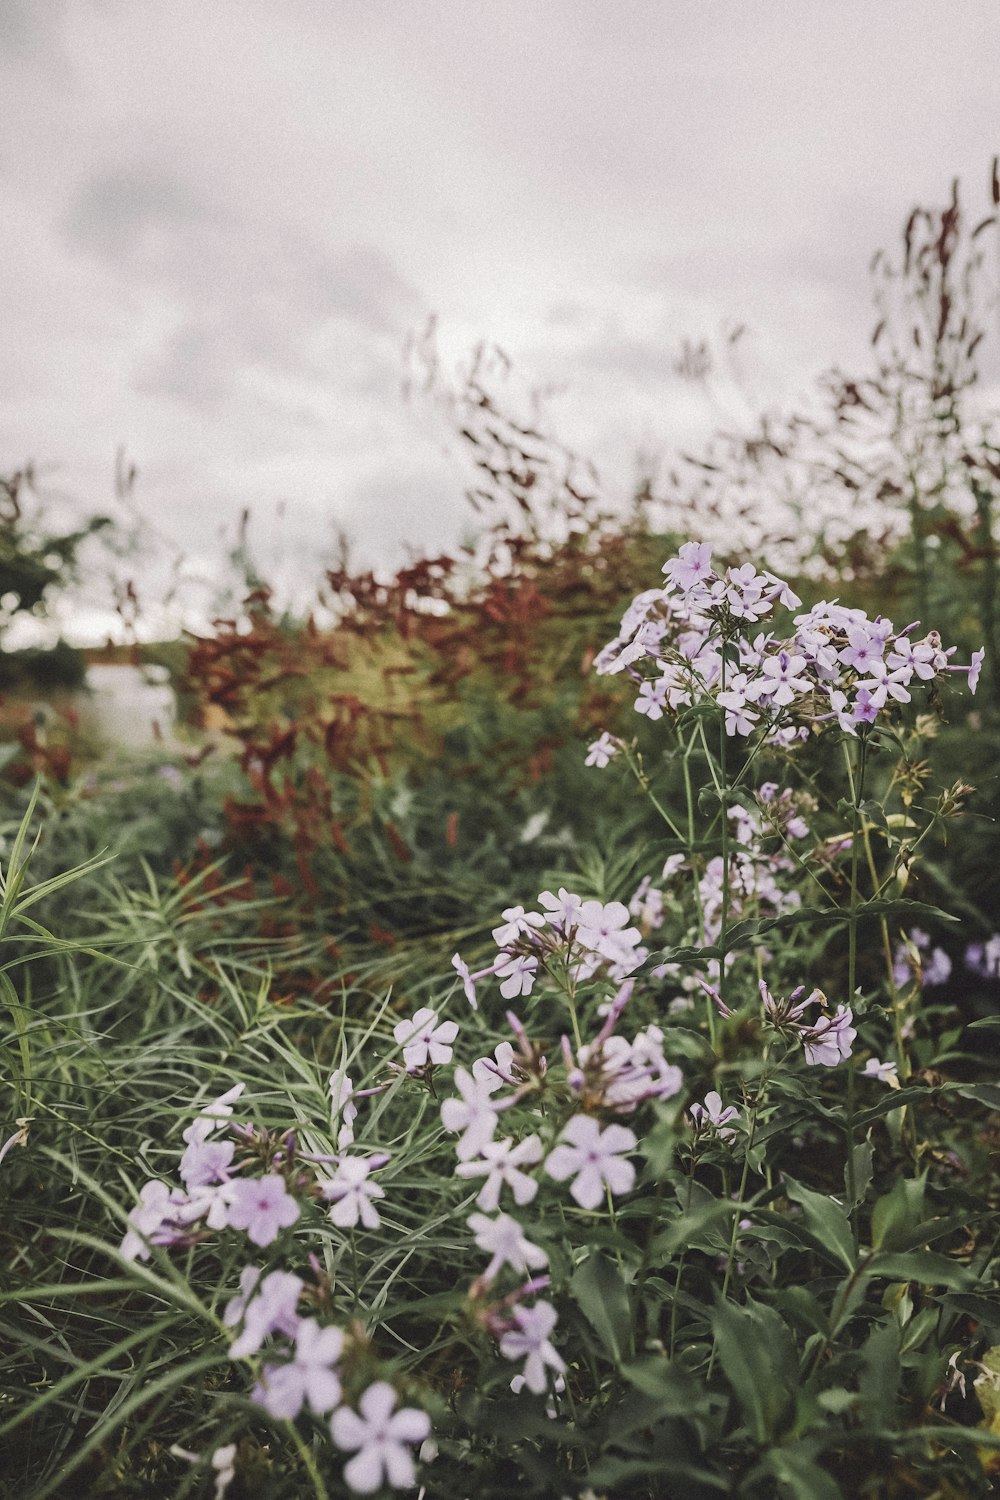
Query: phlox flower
[(593, 1158), (342, 1107), (984, 958), (691, 566), (516, 921), (262, 1206), (528, 1339), (602, 751), (213, 1115), (382, 1437), (975, 667), (206, 1162), (469, 980), (351, 1194), (563, 908), (263, 1306), (424, 1039), (473, 1114), (308, 1378), (885, 1072), (494, 1074), (155, 1203), (518, 976), (504, 1241), (501, 1163), (602, 927), (829, 1041), (711, 1114)]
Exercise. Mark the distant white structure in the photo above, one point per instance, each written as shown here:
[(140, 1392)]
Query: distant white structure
[(128, 707)]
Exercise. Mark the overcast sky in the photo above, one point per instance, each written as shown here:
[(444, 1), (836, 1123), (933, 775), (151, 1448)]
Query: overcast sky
[(223, 217)]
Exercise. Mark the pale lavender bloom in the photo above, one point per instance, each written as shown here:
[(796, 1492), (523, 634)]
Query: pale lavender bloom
[(351, 1194), (492, 1075), (828, 1042), (263, 1307), (529, 1340), (593, 1158), (782, 679), (975, 667), (885, 1072), (652, 698), (205, 1162), (602, 751), (691, 566), (381, 1435), (501, 1165), (563, 909), (145, 1219), (213, 1115), (867, 705), (712, 1114), (516, 922), (937, 968), (504, 1241), (262, 1206), (424, 1039), (474, 1114), (307, 1379), (518, 975), (862, 649), (984, 958), (600, 928)]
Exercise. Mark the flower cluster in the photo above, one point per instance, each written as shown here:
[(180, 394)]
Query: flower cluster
[(696, 633)]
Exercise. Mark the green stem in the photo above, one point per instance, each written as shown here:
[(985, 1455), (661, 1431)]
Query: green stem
[(857, 784)]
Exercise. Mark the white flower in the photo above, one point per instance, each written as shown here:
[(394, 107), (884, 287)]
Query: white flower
[(501, 1167), (518, 975), (424, 1040), (503, 1240), (381, 1436), (529, 1340), (712, 1113), (474, 1114), (309, 1377), (351, 1194), (593, 1158), (342, 1107)]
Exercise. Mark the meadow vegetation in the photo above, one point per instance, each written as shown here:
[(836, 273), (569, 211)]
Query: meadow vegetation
[(542, 1036)]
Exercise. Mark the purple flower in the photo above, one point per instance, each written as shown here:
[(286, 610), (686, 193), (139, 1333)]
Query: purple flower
[(593, 1158), (308, 1378), (474, 1114), (263, 1307), (424, 1039), (975, 667), (262, 1206), (711, 1114), (528, 1339), (381, 1435), (828, 1042), (504, 1241), (501, 1166), (602, 751), (885, 1072), (518, 975), (351, 1194)]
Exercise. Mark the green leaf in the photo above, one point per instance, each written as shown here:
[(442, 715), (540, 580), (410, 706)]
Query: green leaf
[(861, 1156), (758, 1359), (826, 1219), (897, 1213), (985, 1310), (923, 1266), (797, 1468), (675, 1391), (602, 1297)]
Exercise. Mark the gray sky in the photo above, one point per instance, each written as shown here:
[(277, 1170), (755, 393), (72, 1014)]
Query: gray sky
[(223, 217)]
